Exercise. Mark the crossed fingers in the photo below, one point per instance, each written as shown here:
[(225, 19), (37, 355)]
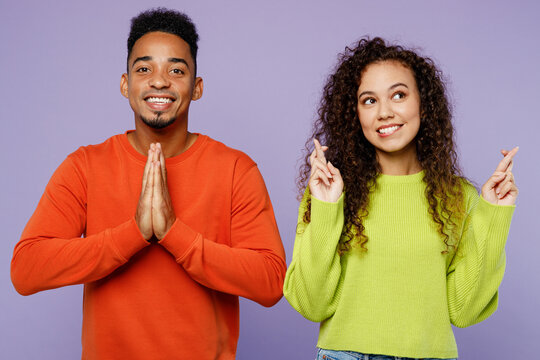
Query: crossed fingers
[(319, 165), (504, 172)]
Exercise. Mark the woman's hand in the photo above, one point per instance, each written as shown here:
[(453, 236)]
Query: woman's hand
[(501, 189), (325, 182)]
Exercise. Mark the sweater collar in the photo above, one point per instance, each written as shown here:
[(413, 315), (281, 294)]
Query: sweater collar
[(401, 179), (201, 139)]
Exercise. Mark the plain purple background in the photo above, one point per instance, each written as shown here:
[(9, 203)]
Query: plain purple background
[(264, 65)]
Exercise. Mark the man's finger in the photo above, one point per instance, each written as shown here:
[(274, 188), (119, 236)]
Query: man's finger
[(162, 164), (158, 188), (147, 168), (155, 148), (150, 183), (143, 213)]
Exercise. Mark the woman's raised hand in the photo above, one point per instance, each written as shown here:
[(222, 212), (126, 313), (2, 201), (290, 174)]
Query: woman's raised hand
[(325, 182), (501, 189)]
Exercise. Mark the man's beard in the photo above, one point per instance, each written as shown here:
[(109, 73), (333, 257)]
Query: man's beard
[(158, 122)]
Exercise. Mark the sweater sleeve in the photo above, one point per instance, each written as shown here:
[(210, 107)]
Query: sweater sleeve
[(477, 269), (253, 265), (51, 252), (313, 280)]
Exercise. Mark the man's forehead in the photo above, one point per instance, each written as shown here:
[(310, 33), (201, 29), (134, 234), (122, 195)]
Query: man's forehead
[(156, 41), (160, 37)]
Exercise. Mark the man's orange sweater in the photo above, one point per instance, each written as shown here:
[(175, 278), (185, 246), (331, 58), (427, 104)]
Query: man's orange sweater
[(169, 300)]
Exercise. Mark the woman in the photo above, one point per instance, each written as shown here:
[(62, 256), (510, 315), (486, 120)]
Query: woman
[(393, 244)]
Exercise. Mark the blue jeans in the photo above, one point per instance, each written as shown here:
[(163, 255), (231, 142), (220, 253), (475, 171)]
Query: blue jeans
[(323, 354)]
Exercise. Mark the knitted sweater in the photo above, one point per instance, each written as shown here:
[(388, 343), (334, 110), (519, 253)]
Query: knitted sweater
[(174, 299), (400, 297)]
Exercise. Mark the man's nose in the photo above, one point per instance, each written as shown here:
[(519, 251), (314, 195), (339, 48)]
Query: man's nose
[(159, 80)]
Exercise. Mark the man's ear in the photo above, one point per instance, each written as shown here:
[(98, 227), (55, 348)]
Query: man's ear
[(197, 89), (124, 85)]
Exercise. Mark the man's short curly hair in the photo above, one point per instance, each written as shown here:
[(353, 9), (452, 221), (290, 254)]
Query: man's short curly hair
[(165, 20)]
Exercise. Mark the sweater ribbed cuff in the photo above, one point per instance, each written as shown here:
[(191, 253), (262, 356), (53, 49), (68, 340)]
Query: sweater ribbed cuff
[(179, 239), (498, 219), (502, 214), (127, 239), (327, 220), (326, 211)]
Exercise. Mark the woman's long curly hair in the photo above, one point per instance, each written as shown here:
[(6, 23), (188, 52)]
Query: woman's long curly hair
[(338, 127)]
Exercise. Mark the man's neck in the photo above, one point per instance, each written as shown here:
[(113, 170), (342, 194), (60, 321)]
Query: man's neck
[(174, 139)]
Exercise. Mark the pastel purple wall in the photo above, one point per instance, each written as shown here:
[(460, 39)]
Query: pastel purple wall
[(264, 64)]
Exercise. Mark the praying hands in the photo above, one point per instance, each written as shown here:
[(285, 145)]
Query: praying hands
[(155, 213)]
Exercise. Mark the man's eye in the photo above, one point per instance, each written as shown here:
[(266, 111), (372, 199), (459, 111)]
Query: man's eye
[(178, 71), (369, 101), (142, 69)]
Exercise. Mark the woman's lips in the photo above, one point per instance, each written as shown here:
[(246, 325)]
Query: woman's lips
[(388, 130)]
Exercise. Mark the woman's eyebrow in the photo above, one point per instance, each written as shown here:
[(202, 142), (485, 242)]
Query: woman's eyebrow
[(396, 85), (390, 88)]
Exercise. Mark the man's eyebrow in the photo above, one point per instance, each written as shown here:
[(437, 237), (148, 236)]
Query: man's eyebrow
[(142, 58), (178, 60), (149, 58)]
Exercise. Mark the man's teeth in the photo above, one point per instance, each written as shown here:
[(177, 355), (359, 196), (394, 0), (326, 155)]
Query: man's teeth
[(388, 130), (158, 100)]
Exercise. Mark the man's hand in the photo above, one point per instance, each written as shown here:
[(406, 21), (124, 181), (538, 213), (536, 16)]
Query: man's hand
[(143, 215), (162, 210), (501, 189), (155, 214)]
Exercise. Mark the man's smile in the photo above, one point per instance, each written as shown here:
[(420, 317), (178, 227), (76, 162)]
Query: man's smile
[(159, 102)]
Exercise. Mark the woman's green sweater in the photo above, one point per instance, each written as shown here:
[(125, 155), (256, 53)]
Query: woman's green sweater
[(400, 297)]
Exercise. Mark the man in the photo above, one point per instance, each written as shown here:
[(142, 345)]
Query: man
[(176, 225)]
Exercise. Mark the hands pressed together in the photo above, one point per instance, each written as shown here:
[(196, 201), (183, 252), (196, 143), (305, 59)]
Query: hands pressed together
[(155, 214)]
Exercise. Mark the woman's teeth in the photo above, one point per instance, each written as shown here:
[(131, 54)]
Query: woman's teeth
[(388, 130)]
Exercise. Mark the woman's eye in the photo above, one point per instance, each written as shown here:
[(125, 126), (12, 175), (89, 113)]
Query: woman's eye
[(398, 96), (369, 101)]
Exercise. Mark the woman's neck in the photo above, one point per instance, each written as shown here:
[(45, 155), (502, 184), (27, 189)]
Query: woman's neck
[(404, 162)]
